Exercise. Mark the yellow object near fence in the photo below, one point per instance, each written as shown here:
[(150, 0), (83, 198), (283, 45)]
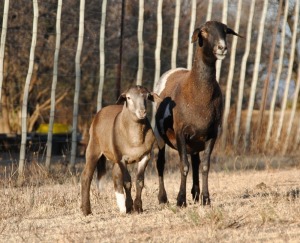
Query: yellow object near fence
[(58, 128)]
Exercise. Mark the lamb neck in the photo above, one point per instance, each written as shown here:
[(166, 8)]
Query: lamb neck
[(134, 130)]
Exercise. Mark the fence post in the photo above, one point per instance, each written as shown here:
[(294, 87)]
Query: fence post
[(26, 91), (77, 86)]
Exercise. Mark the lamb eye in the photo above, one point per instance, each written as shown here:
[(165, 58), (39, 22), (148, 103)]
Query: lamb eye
[(128, 98)]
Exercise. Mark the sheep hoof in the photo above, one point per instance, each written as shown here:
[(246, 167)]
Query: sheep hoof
[(86, 211), (181, 200), (195, 193), (129, 204), (162, 197), (205, 200), (138, 206)]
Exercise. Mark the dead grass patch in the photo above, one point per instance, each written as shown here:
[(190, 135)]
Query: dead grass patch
[(247, 205)]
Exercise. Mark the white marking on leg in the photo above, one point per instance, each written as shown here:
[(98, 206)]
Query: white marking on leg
[(121, 201), (100, 184)]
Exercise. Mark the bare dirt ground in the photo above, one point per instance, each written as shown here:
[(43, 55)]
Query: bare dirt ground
[(247, 206)]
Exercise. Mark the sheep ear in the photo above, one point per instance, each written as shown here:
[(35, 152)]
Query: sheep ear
[(195, 35), (154, 97), (231, 32), (121, 99), (198, 34)]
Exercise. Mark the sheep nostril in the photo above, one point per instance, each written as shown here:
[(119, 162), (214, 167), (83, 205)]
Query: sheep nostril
[(143, 113), (222, 48)]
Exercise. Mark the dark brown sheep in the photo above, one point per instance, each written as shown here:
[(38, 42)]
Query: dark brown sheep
[(190, 114), (123, 135)]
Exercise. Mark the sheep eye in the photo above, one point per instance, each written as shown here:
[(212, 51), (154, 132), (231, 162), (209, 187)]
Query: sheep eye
[(128, 98)]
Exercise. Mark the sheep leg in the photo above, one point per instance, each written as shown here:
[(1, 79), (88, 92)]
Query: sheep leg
[(160, 165), (118, 185), (204, 168), (184, 169), (86, 179), (101, 170), (138, 206), (127, 186), (195, 166)]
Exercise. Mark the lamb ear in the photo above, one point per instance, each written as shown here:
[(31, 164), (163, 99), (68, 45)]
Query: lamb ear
[(154, 97), (231, 32), (121, 99)]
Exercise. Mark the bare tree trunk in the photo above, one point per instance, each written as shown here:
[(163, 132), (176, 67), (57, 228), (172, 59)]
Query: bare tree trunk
[(289, 75), (141, 43), (54, 83), (278, 74), (230, 75), (26, 91), (157, 53), (102, 55), (292, 116), (175, 34), (2, 46), (224, 21), (242, 77), (267, 80), (255, 75), (77, 85), (209, 10), (192, 26)]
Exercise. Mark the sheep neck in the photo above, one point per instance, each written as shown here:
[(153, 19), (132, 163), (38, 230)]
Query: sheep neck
[(203, 71)]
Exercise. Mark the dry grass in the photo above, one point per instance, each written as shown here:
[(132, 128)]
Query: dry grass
[(247, 206)]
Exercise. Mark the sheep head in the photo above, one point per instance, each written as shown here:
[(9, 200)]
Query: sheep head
[(135, 100), (212, 37)]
